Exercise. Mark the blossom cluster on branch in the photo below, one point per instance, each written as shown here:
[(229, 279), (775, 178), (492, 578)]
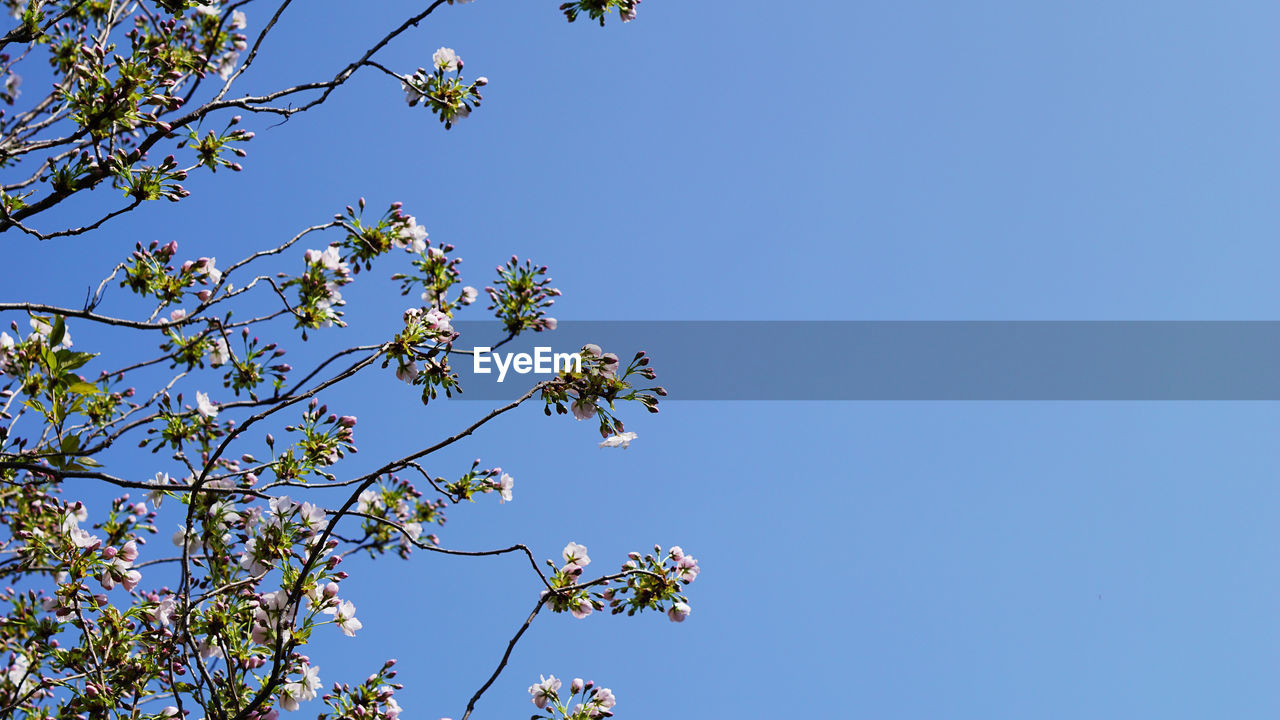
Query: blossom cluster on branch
[(197, 589)]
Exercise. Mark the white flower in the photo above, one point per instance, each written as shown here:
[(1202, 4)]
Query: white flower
[(312, 517), (238, 21), (20, 674), (281, 508), (80, 538), (369, 500), (412, 236), (544, 691), (583, 408), (205, 406), (575, 555), (622, 440), (155, 497), (219, 353), (407, 373), (436, 320), (208, 266), (505, 483), (604, 699), (413, 530), (468, 295), (679, 612), (163, 612), (42, 329), (344, 614), (580, 608), (411, 92), (445, 59)]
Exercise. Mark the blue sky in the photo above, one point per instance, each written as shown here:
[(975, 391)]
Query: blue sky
[(787, 161)]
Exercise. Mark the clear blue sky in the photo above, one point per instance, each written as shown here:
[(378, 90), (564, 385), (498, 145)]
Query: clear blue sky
[(753, 160)]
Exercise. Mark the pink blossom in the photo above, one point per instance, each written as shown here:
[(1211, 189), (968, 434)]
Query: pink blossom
[(412, 236), (162, 614), (544, 691), (407, 372), (131, 579), (580, 608), (79, 538), (575, 555), (583, 409), (603, 701), (679, 612), (687, 569)]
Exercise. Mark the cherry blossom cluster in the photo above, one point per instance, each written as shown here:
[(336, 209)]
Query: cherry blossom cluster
[(479, 481), (397, 513), (395, 229), (593, 391), (249, 369), (318, 295), (325, 438), (442, 89), (521, 295), (148, 272), (212, 148), (373, 699), (650, 582), (585, 700), (436, 271), (419, 352), (600, 9)]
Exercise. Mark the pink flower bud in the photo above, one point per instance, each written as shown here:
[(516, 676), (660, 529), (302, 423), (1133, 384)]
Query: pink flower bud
[(679, 612), (108, 552)]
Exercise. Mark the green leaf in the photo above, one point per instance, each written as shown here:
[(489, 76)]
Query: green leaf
[(84, 388), (72, 360), (59, 331)]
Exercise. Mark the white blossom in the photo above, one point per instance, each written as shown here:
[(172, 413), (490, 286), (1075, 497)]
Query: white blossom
[(622, 440), (205, 406), (445, 59)]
